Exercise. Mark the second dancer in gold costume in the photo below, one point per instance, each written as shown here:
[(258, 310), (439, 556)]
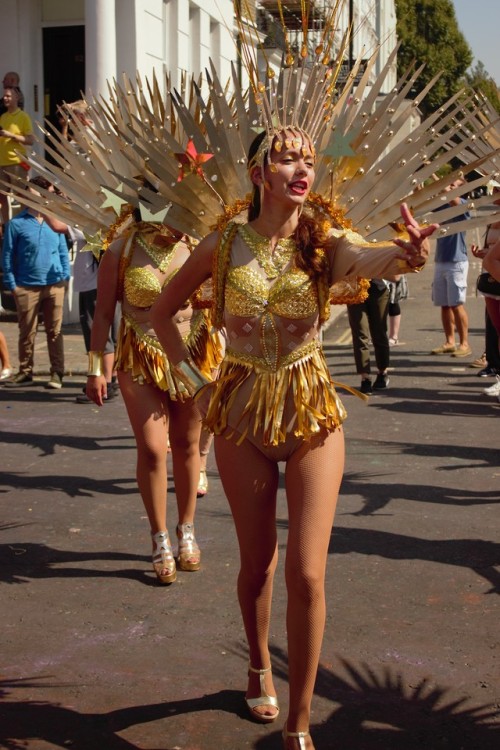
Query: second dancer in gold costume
[(133, 271)]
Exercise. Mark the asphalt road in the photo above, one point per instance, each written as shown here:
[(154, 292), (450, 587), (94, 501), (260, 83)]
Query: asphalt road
[(95, 656)]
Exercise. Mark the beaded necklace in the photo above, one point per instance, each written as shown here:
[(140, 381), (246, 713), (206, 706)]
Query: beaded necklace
[(159, 254), (271, 261)]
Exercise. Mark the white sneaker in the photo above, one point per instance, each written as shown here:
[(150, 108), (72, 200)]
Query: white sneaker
[(5, 373), (493, 390)]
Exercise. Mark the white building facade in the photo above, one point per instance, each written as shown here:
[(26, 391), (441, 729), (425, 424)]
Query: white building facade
[(61, 48)]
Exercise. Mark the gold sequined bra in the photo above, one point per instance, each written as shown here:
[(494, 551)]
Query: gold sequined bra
[(289, 294), (248, 294), (142, 287)]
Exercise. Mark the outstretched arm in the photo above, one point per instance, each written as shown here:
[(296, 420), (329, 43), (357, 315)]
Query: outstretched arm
[(351, 256)]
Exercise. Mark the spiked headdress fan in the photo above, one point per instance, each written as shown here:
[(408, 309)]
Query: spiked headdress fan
[(183, 161)]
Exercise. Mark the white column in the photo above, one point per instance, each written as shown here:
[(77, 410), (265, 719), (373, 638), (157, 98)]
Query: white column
[(100, 45)]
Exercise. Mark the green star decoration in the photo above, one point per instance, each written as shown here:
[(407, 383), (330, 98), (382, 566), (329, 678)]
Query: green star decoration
[(93, 244), (112, 200), (339, 145), (157, 218)]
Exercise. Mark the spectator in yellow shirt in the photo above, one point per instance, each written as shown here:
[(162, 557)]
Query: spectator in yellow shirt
[(11, 80), (16, 132)]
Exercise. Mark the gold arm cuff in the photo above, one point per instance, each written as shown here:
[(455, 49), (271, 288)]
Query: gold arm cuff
[(190, 375), (96, 364)]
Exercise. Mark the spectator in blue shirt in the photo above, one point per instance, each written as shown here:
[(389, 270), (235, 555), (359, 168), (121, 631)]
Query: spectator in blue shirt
[(36, 270), (449, 287)]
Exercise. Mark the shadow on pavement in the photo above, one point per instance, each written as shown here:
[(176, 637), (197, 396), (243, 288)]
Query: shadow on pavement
[(375, 709), (22, 563), (482, 557)]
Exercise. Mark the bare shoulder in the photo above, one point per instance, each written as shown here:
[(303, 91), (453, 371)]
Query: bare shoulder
[(205, 249), (116, 247), (209, 243)]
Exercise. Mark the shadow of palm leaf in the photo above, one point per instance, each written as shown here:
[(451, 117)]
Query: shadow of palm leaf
[(380, 710)]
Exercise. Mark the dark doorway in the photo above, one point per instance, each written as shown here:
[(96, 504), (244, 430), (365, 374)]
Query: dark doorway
[(63, 67)]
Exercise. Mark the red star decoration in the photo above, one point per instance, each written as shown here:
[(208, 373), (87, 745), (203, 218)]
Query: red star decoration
[(191, 161)]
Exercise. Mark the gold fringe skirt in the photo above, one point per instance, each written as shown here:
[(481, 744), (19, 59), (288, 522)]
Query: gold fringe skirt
[(251, 399), (142, 355)]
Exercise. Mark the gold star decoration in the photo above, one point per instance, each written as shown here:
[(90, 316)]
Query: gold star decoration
[(339, 145)]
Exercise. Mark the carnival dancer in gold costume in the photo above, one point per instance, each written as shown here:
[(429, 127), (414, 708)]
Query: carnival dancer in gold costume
[(275, 275), (133, 271), (274, 400)]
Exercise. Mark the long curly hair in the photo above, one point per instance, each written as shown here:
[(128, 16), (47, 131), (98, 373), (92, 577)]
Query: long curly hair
[(310, 235)]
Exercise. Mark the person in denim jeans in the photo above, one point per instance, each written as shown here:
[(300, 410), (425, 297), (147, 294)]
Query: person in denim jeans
[(37, 271)]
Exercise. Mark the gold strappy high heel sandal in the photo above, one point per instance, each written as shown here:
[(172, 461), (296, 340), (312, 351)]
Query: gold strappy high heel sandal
[(202, 484), (188, 556), (163, 558), (263, 700), (300, 736)]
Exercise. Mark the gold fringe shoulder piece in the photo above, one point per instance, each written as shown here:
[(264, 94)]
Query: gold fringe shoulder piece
[(221, 261)]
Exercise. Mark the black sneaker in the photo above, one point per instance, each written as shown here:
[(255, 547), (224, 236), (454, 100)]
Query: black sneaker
[(113, 391), (487, 372), (21, 380), (381, 381), (366, 386), (82, 398)]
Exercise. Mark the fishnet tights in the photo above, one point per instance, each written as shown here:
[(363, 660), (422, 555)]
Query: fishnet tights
[(250, 479)]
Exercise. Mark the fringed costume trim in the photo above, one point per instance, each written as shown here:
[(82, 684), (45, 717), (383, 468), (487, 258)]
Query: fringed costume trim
[(143, 357), (300, 387)]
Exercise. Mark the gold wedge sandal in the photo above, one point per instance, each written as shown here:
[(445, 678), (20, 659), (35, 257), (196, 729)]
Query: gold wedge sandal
[(263, 700), (163, 558), (188, 556), (300, 736)]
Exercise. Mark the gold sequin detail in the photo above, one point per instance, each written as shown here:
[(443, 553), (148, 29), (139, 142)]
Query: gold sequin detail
[(142, 287), (272, 260), (161, 255), (284, 361), (270, 340), (293, 295)]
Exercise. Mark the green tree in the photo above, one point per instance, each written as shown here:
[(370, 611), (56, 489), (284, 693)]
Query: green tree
[(479, 79), (429, 33)]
